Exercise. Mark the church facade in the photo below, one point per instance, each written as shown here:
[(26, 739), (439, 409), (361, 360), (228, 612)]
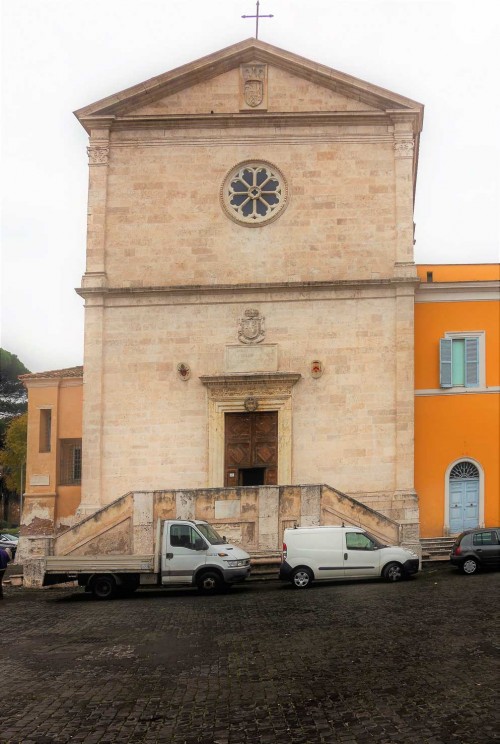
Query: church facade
[(250, 280), (249, 286)]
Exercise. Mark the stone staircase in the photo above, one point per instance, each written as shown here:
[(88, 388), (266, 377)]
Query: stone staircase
[(436, 548)]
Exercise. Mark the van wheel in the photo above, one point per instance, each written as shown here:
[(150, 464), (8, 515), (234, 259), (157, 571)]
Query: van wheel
[(301, 578), (103, 587), (393, 572), (469, 566), (209, 582)]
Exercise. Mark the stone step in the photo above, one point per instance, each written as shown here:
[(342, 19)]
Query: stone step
[(436, 548)]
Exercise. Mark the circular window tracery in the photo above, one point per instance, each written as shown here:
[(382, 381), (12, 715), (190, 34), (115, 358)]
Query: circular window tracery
[(254, 193)]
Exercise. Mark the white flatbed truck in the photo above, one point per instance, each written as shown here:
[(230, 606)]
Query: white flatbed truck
[(188, 553)]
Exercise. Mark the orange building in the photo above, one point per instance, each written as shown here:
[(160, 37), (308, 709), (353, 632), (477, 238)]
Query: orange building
[(54, 455), (457, 395)]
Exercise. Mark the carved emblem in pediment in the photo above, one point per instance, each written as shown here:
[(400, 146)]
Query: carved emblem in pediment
[(254, 78), (254, 92), (251, 329)]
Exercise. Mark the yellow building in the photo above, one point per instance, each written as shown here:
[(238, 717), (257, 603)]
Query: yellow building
[(54, 456), (457, 395)]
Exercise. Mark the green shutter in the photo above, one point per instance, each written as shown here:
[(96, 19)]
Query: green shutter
[(445, 362), (471, 362)]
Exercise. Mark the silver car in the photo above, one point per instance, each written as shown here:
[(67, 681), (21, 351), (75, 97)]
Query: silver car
[(9, 541)]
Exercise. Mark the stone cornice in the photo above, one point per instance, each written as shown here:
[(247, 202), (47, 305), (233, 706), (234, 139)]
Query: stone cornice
[(458, 291), (53, 382), (264, 287), (257, 119)]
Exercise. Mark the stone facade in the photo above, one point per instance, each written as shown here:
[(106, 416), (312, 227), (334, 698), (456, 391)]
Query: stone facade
[(170, 278)]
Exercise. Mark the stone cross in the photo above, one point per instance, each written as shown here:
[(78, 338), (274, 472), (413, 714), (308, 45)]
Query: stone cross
[(257, 16)]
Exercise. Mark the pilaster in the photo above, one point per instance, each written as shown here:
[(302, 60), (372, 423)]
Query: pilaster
[(404, 148), (404, 388), (98, 152), (93, 406)]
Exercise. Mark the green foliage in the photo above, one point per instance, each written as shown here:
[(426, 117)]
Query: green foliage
[(13, 396), (8, 530), (13, 454)]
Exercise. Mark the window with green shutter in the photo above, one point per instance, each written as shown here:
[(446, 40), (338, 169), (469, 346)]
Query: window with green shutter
[(459, 362)]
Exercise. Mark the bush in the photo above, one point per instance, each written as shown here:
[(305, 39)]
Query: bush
[(8, 530)]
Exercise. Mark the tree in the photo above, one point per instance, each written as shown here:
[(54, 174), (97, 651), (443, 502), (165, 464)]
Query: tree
[(13, 454), (13, 396)]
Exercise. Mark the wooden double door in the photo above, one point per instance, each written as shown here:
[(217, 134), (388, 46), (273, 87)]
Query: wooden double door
[(251, 449)]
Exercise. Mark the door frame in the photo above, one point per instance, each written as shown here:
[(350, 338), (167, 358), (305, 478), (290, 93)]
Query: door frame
[(446, 526), (227, 394)]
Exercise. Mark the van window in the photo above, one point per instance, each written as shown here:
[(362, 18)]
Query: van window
[(183, 536), (358, 541), (212, 535)]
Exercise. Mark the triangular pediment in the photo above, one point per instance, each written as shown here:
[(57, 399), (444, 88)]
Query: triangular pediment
[(210, 85)]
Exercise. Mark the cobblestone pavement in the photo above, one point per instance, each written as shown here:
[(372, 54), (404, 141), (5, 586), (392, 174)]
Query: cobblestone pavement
[(356, 663)]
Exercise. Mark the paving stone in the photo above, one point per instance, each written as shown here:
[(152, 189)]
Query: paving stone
[(353, 663)]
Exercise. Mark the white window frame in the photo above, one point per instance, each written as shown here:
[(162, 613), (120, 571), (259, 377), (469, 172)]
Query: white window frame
[(481, 336)]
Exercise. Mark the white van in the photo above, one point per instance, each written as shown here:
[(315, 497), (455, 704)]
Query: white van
[(318, 553)]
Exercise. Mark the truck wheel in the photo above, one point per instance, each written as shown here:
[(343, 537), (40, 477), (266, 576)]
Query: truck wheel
[(301, 578), (209, 582), (393, 572), (103, 587)]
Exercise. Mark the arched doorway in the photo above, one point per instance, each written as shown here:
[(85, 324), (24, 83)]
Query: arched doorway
[(463, 485)]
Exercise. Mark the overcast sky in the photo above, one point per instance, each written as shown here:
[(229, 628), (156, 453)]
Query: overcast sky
[(60, 55)]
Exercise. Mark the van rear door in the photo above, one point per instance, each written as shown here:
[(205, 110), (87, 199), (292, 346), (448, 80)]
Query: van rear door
[(361, 555)]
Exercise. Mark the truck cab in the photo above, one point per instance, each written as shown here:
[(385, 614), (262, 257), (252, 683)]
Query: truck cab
[(193, 553)]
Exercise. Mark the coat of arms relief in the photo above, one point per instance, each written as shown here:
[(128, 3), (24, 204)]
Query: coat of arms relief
[(254, 86), (251, 329)]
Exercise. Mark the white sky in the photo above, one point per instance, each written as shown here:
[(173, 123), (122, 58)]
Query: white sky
[(60, 55)]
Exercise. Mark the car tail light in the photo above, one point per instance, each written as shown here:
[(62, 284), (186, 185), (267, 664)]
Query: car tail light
[(457, 550), (283, 555)]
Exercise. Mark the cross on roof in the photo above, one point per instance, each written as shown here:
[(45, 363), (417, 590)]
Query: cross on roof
[(257, 16)]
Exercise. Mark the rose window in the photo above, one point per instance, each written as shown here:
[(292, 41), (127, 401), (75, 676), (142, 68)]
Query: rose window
[(254, 193)]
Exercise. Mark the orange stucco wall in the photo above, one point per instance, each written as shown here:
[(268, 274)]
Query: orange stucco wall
[(449, 428), (64, 399), (452, 426), (434, 319), (459, 272)]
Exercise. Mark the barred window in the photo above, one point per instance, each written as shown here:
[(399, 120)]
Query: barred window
[(70, 462)]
